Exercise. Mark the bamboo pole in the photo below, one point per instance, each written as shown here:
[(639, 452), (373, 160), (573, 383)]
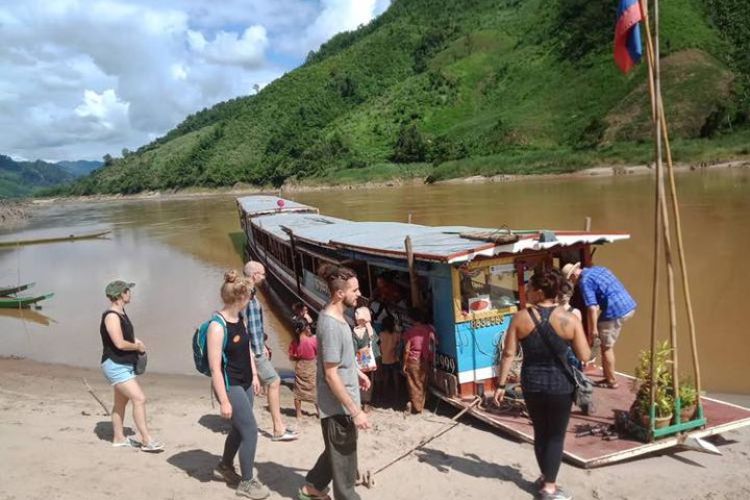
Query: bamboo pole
[(665, 216), (652, 51), (657, 212), (416, 300), (683, 262), (678, 229)]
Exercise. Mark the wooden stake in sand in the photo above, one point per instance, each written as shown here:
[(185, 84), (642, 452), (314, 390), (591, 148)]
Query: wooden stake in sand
[(91, 391)]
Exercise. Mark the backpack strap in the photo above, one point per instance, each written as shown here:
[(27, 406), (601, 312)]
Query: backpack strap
[(218, 318), (563, 362)]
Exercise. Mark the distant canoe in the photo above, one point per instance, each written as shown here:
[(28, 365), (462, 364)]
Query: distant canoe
[(19, 302), (55, 239), (10, 290)]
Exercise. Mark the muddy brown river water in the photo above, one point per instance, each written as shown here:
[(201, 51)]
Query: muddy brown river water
[(175, 250)]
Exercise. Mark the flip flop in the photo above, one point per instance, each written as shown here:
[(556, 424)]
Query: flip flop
[(605, 384), (128, 443), (301, 495)]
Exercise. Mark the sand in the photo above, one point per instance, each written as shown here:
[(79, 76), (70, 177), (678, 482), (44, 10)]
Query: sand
[(55, 445)]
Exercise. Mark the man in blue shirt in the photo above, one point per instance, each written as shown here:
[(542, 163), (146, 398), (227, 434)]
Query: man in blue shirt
[(608, 306), (266, 372)]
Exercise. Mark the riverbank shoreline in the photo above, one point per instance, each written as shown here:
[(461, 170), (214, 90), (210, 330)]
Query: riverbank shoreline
[(13, 213), (56, 445), (603, 171)]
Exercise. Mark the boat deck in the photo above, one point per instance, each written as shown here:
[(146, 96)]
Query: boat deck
[(594, 451)]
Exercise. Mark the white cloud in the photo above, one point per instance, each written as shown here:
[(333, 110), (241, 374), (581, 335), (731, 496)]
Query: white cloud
[(104, 109), (247, 49), (334, 17), (80, 78)]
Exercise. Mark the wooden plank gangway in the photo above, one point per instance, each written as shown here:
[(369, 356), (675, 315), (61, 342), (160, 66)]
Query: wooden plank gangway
[(590, 451)]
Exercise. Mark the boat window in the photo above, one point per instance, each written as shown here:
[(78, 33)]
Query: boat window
[(488, 288)]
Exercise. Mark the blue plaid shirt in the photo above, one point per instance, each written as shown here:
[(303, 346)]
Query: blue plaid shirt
[(600, 287), (254, 315)]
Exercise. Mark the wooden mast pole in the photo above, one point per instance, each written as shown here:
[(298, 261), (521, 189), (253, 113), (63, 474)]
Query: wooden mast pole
[(657, 211), (665, 215)]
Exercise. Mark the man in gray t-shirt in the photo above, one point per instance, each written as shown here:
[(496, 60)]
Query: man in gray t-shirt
[(339, 381), (335, 346)]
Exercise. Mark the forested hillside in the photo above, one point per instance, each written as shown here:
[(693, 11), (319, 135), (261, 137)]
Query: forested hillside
[(23, 178), (445, 88)]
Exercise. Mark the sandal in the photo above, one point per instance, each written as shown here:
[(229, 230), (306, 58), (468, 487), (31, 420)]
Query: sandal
[(128, 443), (153, 446), (301, 495), (606, 384)]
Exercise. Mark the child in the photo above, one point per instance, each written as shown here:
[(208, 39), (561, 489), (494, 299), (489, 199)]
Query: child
[(363, 336), (390, 348), (302, 313), (303, 350)]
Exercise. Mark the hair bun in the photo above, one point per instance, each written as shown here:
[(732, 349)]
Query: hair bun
[(230, 276)]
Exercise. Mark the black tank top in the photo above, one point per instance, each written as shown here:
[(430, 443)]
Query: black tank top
[(109, 350), (238, 369), (541, 370)]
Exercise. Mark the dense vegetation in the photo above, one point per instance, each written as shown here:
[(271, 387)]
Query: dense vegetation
[(443, 88), (23, 178)]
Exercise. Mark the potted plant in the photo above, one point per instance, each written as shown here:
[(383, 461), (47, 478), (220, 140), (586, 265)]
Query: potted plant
[(663, 406), (688, 401), (662, 382)]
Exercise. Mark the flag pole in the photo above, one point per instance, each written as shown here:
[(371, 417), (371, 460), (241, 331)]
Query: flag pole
[(676, 215), (657, 211)]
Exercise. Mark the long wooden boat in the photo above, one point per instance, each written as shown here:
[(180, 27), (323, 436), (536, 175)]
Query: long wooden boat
[(470, 280), (11, 290), (56, 239), (16, 302)]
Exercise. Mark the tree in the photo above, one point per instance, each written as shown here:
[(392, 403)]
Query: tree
[(410, 147)]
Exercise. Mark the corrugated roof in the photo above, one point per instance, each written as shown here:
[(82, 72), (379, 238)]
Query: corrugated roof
[(264, 204), (431, 243)]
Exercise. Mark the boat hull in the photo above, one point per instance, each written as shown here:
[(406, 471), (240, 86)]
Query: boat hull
[(20, 302)]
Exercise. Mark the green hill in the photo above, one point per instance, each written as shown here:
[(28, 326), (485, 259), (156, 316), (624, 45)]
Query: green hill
[(19, 179), (459, 87)]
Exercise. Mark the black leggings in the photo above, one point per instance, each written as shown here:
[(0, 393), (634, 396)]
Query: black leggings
[(550, 414)]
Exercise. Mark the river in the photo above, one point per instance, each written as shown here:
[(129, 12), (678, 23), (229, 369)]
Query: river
[(175, 250)]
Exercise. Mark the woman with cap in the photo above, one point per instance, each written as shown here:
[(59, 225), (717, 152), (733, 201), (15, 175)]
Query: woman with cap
[(120, 351)]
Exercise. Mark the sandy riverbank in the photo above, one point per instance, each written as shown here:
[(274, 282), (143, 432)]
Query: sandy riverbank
[(244, 190), (13, 213), (55, 446)]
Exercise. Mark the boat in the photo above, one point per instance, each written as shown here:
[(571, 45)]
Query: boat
[(469, 280), (12, 290), (18, 301), (56, 239), (27, 314)]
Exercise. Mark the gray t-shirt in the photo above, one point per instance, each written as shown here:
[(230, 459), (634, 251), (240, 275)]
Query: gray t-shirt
[(335, 345)]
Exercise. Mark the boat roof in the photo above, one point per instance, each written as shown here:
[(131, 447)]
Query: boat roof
[(265, 204), (429, 243)]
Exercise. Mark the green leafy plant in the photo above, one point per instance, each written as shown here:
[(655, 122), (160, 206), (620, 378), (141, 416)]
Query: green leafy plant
[(661, 380), (688, 394)]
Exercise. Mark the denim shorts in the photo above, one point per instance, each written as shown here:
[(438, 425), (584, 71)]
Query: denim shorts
[(117, 373), (266, 372)]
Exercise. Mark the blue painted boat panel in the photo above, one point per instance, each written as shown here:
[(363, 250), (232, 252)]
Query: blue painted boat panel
[(477, 349)]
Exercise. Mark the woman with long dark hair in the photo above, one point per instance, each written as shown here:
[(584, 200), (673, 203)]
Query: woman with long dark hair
[(545, 331)]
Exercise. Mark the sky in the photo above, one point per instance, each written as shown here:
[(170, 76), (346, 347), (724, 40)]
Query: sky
[(83, 78)]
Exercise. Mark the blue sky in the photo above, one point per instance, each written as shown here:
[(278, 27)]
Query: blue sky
[(81, 78)]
